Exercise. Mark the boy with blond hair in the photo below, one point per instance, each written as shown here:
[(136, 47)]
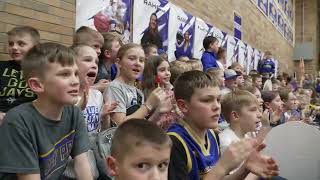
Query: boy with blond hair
[(13, 87), (140, 150), (241, 110), (38, 137), (196, 153)]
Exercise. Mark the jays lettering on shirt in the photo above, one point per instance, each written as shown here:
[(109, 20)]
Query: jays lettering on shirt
[(13, 87), (31, 143), (190, 159)]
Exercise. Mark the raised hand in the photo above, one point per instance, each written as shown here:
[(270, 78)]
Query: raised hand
[(261, 165)]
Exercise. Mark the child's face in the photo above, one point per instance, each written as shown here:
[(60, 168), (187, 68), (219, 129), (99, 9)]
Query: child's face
[(87, 61), (153, 52), (96, 45), (132, 64), (250, 118), (257, 93), (275, 87), (240, 80), (163, 71), (19, 45), (214, 46), (114, 49), (61, 84), (221, 78), (144, 162), (276, 104), (204, 108), (292, 102), (258, 83)]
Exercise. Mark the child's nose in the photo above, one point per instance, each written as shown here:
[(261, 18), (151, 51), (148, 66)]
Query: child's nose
[(155, 174)]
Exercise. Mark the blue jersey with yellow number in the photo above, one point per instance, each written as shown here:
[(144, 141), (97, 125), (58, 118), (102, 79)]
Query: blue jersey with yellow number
[(200, 158)]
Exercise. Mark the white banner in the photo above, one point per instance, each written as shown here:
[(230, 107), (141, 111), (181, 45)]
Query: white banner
[(142, 12), (180, 23), (201, 31), (232, 50)]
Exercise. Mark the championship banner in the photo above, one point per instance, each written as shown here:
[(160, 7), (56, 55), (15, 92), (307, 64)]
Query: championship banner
[(181, 26), (242, 47), (151, 16), (201, 30), (263, 6), (105, 16), (273, 12), (280, 25), (232, 50)]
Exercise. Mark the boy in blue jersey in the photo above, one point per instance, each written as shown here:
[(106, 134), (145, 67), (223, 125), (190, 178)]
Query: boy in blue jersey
[(38, 137), (195, 153), (209, 56)]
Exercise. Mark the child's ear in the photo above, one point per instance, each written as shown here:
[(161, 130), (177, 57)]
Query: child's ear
[(117, 62), (112, 168), (35, 85), (234, 116), (182, 106)]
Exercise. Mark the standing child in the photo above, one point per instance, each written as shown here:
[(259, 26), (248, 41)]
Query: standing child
[(130, 60), (13, 87), (37, 138)]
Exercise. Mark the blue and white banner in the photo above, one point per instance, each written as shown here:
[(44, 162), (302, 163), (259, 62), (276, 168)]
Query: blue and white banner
[(181, 30), (250, 59), (201, 31), (273, 12), (285, 30), (242, 47), (263, 6), (257, 57), (232, 50), (280, 23), (105, 16), (143, 12), (281, 4), (237, 29)]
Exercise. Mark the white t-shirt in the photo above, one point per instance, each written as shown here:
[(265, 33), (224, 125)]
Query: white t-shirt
[(92, 111), (226, 138)]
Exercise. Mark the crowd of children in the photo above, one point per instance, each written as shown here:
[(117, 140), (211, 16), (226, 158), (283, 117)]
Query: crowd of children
[(185, 119)]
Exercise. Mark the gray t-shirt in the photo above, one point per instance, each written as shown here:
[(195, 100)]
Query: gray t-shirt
[(31, 143), (125, 94)]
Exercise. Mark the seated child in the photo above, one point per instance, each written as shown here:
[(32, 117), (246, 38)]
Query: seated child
[(90, 37), (273, 103), (157, 74), (38, 137), (140, 150), (107, 69), (13, 87), (241, 110), (196, 153), (150, 50), (130, 60)]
